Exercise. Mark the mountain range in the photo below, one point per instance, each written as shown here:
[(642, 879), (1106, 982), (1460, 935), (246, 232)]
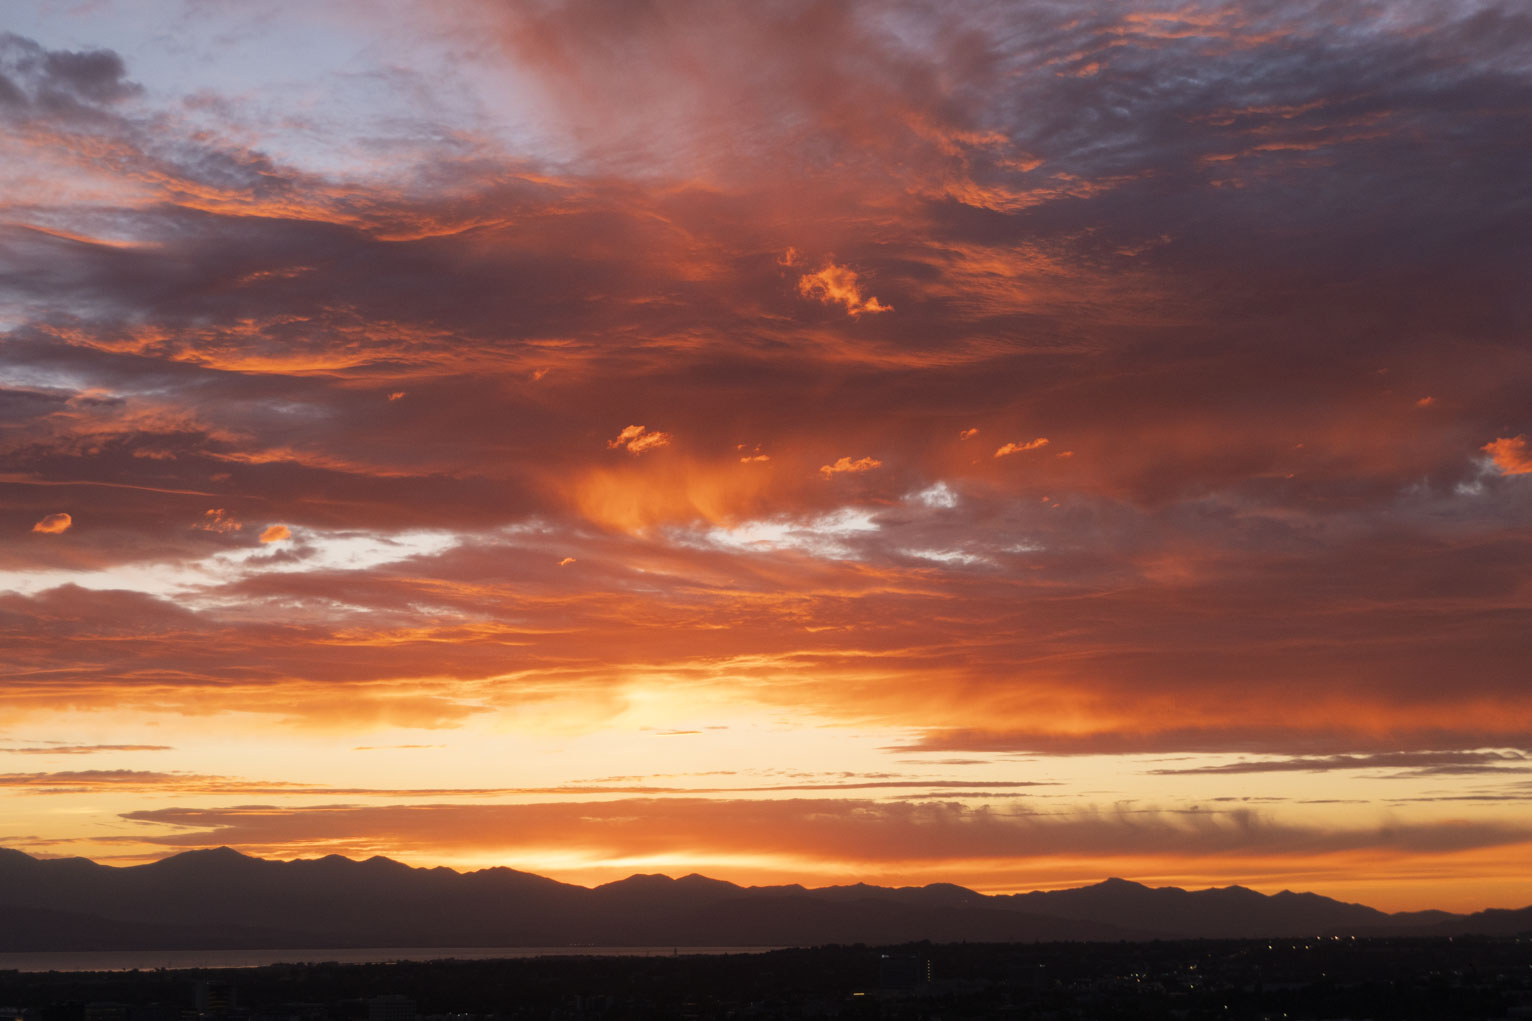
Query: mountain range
[(220, 898)]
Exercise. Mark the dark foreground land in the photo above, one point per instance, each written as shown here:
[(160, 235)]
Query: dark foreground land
[(1226, 979)]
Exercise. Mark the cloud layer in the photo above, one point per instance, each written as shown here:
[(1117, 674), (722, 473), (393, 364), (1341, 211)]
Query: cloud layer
[(1006, 388)]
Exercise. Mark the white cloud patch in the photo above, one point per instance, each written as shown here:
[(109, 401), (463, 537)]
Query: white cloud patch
[(195, 583), (826, 535), (939, 496), (946, 556)]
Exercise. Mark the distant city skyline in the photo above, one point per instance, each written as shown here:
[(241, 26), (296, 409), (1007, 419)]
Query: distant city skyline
[(1006, 444)]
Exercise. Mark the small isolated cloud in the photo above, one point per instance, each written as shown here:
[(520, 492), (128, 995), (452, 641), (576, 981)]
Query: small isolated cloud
[(945, 556), (635, 439), (838, 285), (939, 495), (396, 395), (276, 533), (1425, 402), (789, 258), (845, 464), (831, 536), (216, 519), (566, 561), (968, 434), (749, 456), (1021, 448), (1510, 455), (54, 524)]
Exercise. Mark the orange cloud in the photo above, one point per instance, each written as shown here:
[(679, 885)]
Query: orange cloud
[(838, 285), (818, 839), (1136, 623), (216, 519), (1510, 455), (1020, 448), (276, 533), (845, 464), (635, 439), (638, 494), (812, 830), (54, 524)]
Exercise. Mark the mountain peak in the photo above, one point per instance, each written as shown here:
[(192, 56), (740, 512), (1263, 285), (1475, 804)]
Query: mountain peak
[(698, 879), (9, 856), (638, 880), (208, 862), (211, 854), (1118, 883)]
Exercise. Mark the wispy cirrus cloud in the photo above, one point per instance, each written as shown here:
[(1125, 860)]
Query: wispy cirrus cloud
[(60, 748), (67, 782), (1463, 762)]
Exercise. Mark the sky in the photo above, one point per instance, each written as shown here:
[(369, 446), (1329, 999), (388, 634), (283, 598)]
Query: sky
[(1009, 444)]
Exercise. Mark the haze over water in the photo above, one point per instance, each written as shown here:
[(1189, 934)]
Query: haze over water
[(148, 960)]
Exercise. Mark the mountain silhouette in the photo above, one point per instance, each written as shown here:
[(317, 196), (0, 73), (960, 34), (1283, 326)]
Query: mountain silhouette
[(219, 898), (1232, 912)]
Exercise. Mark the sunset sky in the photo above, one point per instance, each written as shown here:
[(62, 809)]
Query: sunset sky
[(1011, 444)]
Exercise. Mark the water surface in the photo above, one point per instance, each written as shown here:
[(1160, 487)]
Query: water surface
[(148, 960)]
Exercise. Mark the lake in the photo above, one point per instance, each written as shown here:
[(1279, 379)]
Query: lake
[(148, 960)]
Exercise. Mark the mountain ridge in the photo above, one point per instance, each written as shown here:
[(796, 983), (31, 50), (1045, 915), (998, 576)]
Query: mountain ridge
[(220, 897)]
